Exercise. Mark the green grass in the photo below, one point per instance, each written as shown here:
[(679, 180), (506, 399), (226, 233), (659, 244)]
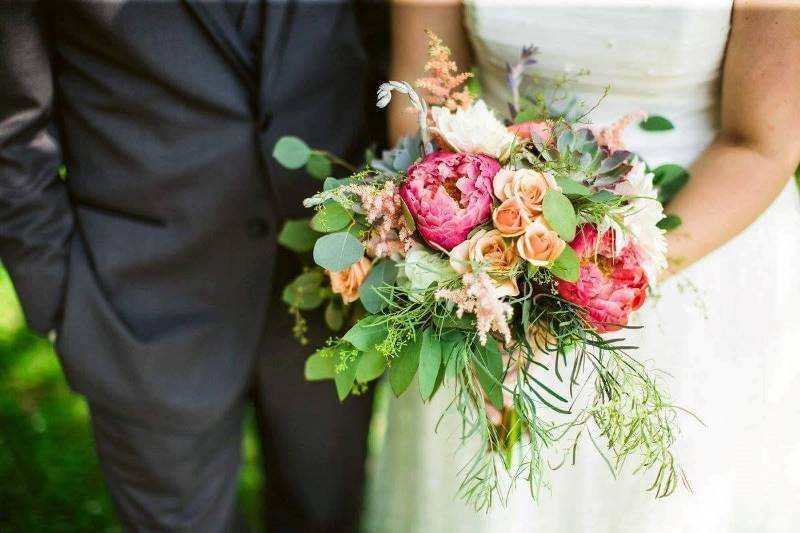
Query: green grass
[(49, 477)]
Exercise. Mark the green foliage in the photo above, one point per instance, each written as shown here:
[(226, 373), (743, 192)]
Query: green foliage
[(656, 123), (366, 333), (330, 217), (405, 365), (670, 222), (346, 367), (382, 274), (430, 362), (560, 214), (291, 152), (318, 367), (306, 291), (567, 266), (334, 314), (669, 179), (337, 251), (371, 367), (319, 166), (489, 364), (571, 187), (297, 236)]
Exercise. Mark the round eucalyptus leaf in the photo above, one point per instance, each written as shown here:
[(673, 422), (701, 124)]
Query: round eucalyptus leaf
[(291, 152), (337, 251)]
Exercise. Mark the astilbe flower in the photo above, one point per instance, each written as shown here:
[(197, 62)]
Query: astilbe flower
[(383, 210), (480, 296), (611, 283), (443, 77), (611, 136)]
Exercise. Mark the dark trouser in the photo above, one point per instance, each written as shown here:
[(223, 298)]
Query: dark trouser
[(313, 452)]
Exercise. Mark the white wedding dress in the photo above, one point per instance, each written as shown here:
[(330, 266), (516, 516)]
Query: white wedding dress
[(727, 330)]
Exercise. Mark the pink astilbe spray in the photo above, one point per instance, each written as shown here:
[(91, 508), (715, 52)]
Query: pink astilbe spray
[(611, 136), (480, 297), (383, 210), (443, 77)]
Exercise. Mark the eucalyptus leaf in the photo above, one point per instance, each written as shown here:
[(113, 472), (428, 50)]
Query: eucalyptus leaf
[(305, 291), (337, 251), (489, 364), (319, 166), (371, 366), (330, 217), (656, 123), (567, 266), (291, 152), (297, 236), (383, 273), (319, 368), (560, 214), (366, 333), (405, 365), (332, 183), (334, 315), (430, 362), (344, 378)]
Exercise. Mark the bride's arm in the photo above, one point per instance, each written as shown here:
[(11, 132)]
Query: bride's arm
[(758, 147), (410, 18)]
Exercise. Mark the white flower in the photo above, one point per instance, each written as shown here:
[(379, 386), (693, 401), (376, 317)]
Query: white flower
[(640, 217), (474, 130), (423, 268)]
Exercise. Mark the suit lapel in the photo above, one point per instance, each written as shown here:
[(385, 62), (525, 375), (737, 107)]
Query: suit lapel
[(217, 22)]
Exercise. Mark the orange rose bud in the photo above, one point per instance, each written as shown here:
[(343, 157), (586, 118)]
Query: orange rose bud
[(347, 281)]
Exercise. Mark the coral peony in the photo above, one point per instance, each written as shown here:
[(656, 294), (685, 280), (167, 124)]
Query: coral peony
[(610, 284), (449, 194)]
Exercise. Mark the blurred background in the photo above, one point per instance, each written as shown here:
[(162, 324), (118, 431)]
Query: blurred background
[(49, 477)]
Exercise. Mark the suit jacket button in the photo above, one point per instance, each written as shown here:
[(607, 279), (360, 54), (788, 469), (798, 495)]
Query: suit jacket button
[(257, 227)]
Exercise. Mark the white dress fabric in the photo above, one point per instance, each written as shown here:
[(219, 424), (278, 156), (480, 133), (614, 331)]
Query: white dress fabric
[(726, 330)]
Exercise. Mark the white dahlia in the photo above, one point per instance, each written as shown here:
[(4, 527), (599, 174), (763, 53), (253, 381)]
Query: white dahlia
[(473, 130), (640, 217)]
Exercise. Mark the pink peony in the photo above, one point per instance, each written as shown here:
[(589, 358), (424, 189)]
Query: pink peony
[(610, 285), (449, 194)]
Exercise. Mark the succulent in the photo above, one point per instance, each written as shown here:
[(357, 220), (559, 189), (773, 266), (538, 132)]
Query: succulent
[(582, 159), (399, 158)]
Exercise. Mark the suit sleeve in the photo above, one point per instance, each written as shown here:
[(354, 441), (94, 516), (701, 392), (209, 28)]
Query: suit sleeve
[(36, 219)]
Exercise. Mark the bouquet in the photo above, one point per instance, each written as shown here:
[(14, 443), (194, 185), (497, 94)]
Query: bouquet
[(491, 261)]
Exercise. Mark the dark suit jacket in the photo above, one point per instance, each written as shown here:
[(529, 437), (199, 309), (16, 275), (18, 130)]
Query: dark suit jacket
[(153, 259)]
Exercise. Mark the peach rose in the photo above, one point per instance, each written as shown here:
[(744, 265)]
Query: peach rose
[(511, 217), (529, 188), (502, 184), (487, 247), (347, 281), (539, 244)]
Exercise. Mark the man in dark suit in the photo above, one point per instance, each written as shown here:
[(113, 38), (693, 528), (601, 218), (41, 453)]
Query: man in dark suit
[(155, 260)]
